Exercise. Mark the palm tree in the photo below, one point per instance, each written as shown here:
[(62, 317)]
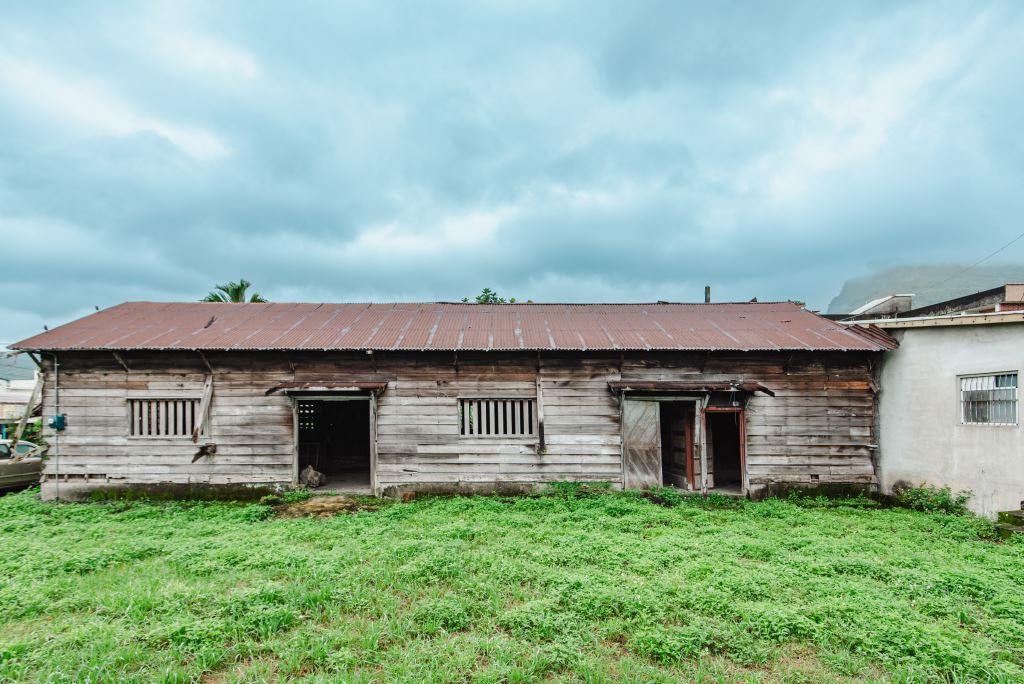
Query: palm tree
[(233, 292)]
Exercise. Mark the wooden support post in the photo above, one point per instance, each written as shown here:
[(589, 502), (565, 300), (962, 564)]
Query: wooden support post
[(120, 360), (204, 408), (541, 446), (205, 361), (37, 390), (373, 441), (702, 444)]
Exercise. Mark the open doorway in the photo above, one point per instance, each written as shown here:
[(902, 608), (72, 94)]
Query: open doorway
[(676, 443), (334, 438), (725, 446)]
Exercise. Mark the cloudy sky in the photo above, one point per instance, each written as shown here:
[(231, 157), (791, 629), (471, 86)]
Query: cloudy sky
[(554, 151)]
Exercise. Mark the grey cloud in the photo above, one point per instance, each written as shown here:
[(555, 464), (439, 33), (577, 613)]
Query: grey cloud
[(557, 151)]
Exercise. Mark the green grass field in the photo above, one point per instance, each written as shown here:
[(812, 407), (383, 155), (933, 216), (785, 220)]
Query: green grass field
[(564, 587)]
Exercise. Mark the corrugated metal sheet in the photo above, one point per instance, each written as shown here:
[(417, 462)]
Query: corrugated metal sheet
[(422, 327)]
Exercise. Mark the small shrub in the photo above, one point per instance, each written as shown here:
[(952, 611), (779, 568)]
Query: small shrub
[(253, 512), (798, 498), (716, 500), (296, 496), (934, 499), (539, 620), (670, 497), (671, 645), (577, 490), (448, 614)]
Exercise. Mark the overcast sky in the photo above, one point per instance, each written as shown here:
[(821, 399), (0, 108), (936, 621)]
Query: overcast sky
[(619, 151)]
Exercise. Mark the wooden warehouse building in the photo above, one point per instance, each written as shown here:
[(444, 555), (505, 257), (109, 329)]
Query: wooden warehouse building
[(387, 398)]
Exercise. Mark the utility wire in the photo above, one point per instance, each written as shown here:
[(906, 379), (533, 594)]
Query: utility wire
[(976, 263), (960, 272)]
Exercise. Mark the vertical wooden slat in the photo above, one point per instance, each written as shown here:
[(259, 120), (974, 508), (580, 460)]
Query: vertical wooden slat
[(514, 411)]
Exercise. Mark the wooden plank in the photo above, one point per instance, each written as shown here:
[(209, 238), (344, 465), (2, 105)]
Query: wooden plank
[(202, 415), (641, 438), (33, 399)]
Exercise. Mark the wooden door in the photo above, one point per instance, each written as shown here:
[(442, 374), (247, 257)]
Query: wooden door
[(641, 444)]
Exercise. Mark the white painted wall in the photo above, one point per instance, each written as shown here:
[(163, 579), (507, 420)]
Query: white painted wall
[(921, 437)]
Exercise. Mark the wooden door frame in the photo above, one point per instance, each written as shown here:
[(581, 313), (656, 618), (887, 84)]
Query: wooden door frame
[(693, 433), (370, 397), (742, 411)]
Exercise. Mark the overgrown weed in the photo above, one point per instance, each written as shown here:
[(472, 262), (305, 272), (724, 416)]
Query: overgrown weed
[(578, 583)]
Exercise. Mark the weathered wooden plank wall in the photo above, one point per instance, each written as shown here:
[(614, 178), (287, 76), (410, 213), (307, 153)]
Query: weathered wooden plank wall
[(817, 428)]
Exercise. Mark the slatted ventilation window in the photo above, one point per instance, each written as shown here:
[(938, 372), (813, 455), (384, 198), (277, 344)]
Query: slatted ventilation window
[(497, 417), (162, 417), (989, 399)]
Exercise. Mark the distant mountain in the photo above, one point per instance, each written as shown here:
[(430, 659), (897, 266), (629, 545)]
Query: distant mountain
[(922, 282)]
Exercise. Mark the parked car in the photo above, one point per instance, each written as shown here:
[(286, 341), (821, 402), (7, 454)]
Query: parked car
[(17, 470)]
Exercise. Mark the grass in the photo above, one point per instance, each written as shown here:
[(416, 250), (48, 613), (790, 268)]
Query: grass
[(573, 586)]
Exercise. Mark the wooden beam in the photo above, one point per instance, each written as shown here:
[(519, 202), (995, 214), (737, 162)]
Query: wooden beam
[(206, 362), (204, 408), (541, 446), (120, 360), (36, 392), (702, 445)]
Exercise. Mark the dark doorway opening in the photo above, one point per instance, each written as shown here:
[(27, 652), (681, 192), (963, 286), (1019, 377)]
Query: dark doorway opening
[(676, 443), (334, 438), (724, 445)]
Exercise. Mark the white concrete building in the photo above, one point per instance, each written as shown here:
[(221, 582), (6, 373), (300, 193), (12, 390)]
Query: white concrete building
[(948, 410)]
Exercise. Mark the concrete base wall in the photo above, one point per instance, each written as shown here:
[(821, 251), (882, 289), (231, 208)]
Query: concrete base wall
[(52, 490), (921, 436)]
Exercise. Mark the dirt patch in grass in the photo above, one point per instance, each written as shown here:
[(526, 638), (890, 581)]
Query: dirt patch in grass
[(323, 507)]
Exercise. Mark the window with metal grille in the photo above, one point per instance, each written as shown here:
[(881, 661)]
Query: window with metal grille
[(989, 399), (162, 417), (497, 417)]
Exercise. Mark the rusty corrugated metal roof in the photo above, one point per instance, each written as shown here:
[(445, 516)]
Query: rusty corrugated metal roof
[(442, 326)]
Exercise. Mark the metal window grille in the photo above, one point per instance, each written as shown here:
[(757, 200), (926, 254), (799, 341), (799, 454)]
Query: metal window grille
[(162, 417), (497, 417), (309, 414), (989, 399)]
